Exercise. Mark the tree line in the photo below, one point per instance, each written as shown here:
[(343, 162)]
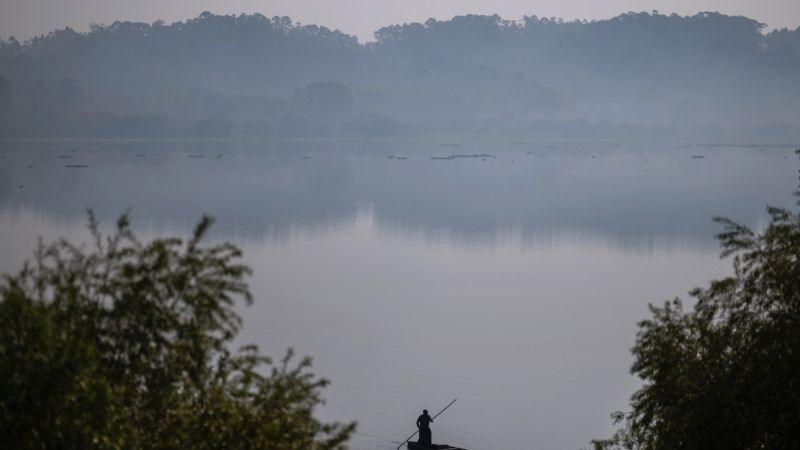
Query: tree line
[(250, 75)]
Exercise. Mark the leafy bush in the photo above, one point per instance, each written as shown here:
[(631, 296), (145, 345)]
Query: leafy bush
[(127, 346), (725, 374)]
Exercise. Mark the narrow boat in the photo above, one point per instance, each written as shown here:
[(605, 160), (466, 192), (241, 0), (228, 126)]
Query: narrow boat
[(415, 446)]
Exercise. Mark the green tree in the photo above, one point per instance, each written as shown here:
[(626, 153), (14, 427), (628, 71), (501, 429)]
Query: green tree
[(128, 346), (726, 373)]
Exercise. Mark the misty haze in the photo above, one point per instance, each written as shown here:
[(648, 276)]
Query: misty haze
[(474, 208), (707, 76)]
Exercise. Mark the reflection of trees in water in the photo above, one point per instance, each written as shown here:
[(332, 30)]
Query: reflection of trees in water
[(256, 191)]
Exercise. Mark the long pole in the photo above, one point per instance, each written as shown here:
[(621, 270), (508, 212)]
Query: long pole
[(437, 415)]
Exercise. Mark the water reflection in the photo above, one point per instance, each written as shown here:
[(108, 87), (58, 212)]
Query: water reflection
[(630, 195), (513, 282)]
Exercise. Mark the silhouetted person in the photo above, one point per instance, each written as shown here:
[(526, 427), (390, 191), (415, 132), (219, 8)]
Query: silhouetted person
[(424, 425)]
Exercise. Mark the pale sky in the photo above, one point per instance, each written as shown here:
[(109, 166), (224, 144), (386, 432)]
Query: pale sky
[(26, 18)]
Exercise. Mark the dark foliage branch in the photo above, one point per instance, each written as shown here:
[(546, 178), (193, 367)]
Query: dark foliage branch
[(126, 345), (726, 373)]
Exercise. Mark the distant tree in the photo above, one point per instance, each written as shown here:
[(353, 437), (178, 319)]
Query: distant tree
[(5, 94), (726, 373), (10, 47), (323, 98), (127, 346), (637, 68), (373, 125), (210, 128), (123, 125), (784, 40), (70, 95)]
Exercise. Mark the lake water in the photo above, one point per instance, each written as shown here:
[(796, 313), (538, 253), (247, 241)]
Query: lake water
[(512, 281)]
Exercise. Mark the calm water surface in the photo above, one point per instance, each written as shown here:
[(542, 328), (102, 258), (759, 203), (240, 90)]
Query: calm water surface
[(512, 280)]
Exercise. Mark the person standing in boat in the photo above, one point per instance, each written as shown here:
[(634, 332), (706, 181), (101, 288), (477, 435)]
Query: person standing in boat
[(424, 425)]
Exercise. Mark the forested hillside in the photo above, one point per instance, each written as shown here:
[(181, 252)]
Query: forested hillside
[(638, 74)]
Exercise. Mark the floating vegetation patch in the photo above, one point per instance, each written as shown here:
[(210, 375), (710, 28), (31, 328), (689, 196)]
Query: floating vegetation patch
[(759, 147), (482, 156), (698, 156), (306, 157)]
